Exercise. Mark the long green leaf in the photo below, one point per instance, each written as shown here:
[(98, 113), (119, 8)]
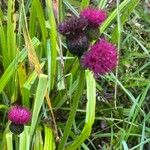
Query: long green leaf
[(9, 71), (27, 87), (90, 112), (38, 141), (9, 141), (39, 98), (49, 143), (74, 107), (24, 139), (53, 41), (41, 19)]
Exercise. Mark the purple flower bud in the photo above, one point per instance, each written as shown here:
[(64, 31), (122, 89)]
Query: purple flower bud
[(94, 16), (72, 26), (19, 115), (101, 58), (78, 45)]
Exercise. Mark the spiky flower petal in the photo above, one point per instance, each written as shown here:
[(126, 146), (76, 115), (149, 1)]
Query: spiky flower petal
[(101, 58), (72, 26), (19, 115), (94, 16)]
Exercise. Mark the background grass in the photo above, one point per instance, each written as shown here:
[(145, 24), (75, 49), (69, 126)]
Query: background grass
[(37, 70)]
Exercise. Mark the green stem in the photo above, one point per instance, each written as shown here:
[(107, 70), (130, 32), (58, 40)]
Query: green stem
[(16, 142), (60, 11), (74, 107)]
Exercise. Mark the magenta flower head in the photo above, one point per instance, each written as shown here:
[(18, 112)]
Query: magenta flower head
[(72, 26), (101, 58), (94, 16), (18, 116)]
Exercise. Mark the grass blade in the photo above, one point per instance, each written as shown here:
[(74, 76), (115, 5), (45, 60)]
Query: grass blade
[(39, 97), (90, 112), (9, 141), (53, 41), (9, 71), (27, 87), (49, 143), (74, 106)]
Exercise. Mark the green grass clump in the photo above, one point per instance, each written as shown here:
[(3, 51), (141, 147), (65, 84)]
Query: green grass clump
[(70, 108)]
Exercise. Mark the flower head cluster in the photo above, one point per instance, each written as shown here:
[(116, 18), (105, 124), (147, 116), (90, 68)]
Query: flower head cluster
[(101, 58), (79, 31), (18, 116), (94, 16)]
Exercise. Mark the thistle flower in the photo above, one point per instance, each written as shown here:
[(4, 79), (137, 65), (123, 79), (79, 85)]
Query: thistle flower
[(78, 45), (72, 26), (94, 16), (18, 116), (101, 58)]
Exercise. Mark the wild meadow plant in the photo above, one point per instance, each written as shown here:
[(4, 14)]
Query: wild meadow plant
[(74, 75)]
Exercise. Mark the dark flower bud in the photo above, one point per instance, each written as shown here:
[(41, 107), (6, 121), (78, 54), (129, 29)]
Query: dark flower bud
[(72, 26), (78, 45), (16, 128)]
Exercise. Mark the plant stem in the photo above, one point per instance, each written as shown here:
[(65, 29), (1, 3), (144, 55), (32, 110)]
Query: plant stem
[(16, 142), (74, 107)]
